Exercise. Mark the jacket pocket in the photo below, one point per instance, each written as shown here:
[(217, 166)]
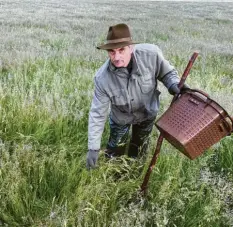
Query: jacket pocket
[(118, 97), (147, 84), (153, 105)]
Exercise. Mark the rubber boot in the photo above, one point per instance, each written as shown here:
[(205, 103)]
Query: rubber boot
[(115, 152), (135, 151)]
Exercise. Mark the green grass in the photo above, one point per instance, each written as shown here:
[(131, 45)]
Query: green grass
[(47, 64)]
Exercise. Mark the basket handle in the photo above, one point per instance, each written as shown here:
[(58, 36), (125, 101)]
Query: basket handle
[(205, 97), (227, 124), (232, 123), (228, 121), (198, 91)]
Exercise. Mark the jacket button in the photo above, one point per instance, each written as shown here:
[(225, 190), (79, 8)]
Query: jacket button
[(132, 99)]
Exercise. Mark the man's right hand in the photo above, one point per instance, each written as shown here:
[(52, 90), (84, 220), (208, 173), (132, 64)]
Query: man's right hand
[(92, 157)]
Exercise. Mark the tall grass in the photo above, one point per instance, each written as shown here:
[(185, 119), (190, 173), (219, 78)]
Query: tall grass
[(47, 63)]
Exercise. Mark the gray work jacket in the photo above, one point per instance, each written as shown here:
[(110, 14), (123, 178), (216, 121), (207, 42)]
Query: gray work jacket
[(132, 97)]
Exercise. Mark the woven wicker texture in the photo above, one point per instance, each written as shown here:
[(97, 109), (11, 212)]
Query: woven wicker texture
[(194, 123)]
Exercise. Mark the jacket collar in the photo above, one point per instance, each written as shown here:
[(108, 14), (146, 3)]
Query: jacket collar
[(123, 71)]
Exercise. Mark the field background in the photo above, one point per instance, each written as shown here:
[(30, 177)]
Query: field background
[(47, 63)]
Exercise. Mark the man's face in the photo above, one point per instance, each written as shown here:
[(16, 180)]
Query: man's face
[(120, 57)]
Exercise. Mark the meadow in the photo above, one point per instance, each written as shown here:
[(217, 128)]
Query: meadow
[(47, 63)]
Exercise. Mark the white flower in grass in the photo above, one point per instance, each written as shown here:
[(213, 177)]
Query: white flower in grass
[(27, 147), (10, 76), (225, 81), (52, 215), (78, 116)]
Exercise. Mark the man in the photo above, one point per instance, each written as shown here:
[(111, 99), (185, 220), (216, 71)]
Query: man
[(127, 82)]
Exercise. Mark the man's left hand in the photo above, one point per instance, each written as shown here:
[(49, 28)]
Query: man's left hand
[(174, 89)]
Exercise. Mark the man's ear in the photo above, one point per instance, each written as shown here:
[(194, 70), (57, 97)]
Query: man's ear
[(131, 48)]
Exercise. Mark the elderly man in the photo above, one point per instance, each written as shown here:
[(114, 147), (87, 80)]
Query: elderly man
[(127, 83)]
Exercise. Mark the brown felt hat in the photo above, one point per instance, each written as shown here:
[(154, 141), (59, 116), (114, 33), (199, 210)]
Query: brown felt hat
[(118, 36)]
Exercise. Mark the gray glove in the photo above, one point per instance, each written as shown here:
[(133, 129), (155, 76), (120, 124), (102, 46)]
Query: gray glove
[(92, 157), (173, 90)]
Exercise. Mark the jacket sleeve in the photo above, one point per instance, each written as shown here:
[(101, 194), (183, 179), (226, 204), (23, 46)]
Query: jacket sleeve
[(97, 116), (166, 73)]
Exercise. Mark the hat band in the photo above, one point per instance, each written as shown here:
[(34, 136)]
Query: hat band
[(119, 40)]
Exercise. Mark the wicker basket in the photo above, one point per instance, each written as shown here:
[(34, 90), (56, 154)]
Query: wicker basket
[(194, 122)]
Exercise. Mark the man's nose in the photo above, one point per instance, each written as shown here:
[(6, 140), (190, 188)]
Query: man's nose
[(117, 55)]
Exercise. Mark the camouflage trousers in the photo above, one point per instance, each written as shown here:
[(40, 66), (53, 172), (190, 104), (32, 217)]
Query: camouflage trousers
[(139, 140)]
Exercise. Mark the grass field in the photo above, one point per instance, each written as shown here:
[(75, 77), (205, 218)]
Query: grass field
[(47, 63)]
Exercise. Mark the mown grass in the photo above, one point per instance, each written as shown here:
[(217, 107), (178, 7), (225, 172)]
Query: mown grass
[(48, 60)]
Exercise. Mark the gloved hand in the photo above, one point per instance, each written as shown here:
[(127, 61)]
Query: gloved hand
[(92, 157), (174, 90)]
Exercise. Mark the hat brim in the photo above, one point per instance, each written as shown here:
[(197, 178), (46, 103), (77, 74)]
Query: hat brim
[(110, 46)]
